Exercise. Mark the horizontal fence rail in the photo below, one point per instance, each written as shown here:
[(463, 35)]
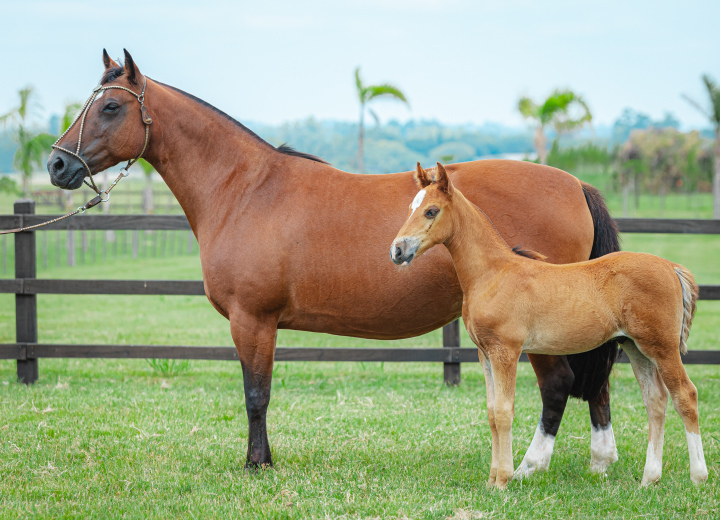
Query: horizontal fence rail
[(26, 286), (450, 355), (180, 222)]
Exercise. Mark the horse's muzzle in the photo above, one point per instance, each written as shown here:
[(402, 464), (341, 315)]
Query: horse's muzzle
[(65, 171)]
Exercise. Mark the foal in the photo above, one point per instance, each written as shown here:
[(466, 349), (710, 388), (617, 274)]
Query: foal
[(513, 304)]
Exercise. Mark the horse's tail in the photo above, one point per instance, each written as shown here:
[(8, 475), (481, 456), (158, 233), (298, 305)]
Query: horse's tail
[(690, 293), (592, 368)]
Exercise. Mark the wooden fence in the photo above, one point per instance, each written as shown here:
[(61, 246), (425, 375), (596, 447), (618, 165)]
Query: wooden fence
[(26, 286)]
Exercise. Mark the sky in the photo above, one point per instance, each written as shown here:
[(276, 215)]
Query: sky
[(457, 61)]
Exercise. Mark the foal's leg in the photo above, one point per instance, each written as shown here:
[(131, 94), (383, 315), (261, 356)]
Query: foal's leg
[(504, 368), (255, 342), (655, 396), (685, 398), (555, 379), (490, 390)]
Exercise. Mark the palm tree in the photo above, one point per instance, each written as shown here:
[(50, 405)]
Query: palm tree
[(32, 146), (367, 93), (564, 110), (713, 115)]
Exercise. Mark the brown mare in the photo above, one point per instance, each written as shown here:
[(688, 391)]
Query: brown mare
[(272, 225), (516, 304)]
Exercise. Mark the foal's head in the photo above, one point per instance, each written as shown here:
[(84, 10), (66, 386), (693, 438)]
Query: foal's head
[(429, 222), (112, 131)]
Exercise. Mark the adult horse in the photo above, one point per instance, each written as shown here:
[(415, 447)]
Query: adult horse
[(272, 223)]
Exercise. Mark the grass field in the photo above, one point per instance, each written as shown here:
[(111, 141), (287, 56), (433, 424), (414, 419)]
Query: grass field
[(117, 438)]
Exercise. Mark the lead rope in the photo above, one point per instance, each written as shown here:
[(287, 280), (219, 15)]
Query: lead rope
[(123, 172)]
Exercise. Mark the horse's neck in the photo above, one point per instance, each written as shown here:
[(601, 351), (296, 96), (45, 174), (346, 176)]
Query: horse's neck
[(477, 249), (205, 159)]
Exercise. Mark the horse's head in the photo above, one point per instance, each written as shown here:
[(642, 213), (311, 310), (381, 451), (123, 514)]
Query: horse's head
[(429, 222), (111, 127)]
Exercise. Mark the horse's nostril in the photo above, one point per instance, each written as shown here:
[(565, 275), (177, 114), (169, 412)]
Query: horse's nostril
[(58, 165), (398, 252)]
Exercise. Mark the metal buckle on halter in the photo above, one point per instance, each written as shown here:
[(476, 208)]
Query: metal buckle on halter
[(101, 194), (124, 172), (81, 209)]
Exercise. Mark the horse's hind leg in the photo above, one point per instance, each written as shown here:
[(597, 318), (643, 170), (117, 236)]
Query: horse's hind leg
[(685, 400), (654, 396), (555, 379), (603, 450)]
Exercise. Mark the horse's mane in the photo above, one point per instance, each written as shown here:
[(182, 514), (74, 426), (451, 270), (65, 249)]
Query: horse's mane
[(528, 253), (116, 72)]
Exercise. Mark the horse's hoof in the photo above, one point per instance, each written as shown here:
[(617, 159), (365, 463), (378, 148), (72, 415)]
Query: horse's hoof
[(254, 467), (649, 480), (491, 482), (600, 464), (523, 472)]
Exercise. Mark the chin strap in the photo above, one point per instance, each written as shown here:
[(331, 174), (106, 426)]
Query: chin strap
[(123, 173)]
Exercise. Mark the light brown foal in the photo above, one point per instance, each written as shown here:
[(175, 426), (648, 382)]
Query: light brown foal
[(513, 304)]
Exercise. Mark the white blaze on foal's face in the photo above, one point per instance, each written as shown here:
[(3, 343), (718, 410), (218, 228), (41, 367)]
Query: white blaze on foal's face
[(417, 201)]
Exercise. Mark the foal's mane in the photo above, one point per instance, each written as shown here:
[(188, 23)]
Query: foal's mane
[(518, 250), (528, 253), (114, 73)]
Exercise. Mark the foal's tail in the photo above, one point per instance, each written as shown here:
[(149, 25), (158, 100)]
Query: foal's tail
[(690, 293), (592, 368)]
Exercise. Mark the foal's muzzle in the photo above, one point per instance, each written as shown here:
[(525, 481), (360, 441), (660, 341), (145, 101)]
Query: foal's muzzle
[(403, 250), (65, 171)]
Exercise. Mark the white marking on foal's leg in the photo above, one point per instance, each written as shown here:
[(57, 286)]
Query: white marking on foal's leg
[(537, 457), (698, 468), (653, 465), (417, 201), (603, 450)]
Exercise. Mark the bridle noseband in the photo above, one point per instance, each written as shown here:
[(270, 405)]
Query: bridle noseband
[(83, 114), (123, 172)]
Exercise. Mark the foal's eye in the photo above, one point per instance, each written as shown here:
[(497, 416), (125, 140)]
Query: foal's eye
[(432, 212), (111, 107)]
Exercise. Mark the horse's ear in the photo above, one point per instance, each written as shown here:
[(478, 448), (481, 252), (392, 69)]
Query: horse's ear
[(443, 181), (131, 69), (108, 61), (421, 177)]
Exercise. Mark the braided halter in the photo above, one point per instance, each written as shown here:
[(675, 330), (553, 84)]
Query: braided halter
[(83, 114), (123, 172)]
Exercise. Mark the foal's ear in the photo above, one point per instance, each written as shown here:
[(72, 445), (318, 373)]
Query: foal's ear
[(131, 70), (442, 180), (421, 177), (108, 61)]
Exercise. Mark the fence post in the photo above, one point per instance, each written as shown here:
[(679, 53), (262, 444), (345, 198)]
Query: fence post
[(451, 339), (25, 304)]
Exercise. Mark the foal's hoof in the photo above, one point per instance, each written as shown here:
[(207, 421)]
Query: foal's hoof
[(699, 478)]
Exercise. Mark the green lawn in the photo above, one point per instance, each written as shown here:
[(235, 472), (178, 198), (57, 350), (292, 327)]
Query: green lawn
[(110, 439)]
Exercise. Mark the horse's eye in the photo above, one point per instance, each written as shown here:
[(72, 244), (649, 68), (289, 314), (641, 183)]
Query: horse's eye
[(431, 212), (111, 107)]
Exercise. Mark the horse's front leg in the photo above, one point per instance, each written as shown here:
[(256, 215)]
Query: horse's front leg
[(555, 379), (504, 361), (255, 342)]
